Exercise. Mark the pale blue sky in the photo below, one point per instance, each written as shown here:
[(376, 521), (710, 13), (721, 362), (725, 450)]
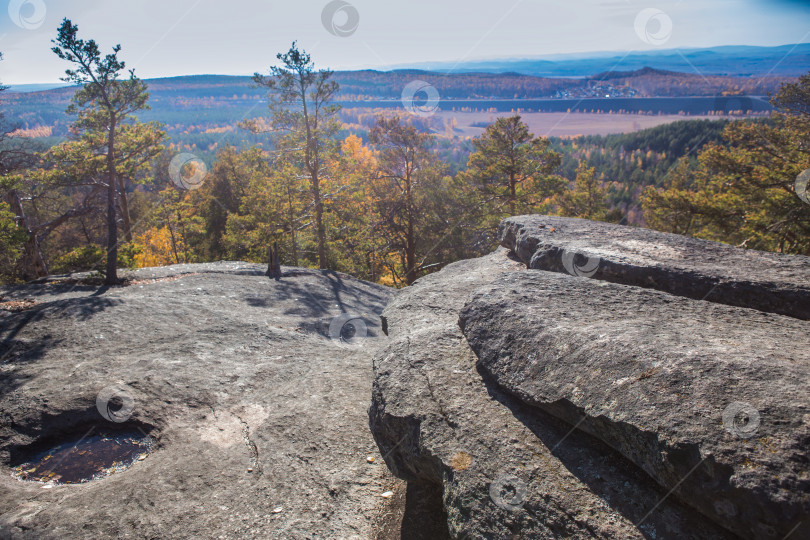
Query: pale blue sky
[(180, 37)]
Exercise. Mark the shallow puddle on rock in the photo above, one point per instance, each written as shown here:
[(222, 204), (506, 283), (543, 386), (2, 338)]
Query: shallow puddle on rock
[(85, 459)]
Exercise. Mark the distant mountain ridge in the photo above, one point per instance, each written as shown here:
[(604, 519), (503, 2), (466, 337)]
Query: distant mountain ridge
[(732, 60), (735, 60), (27, 88)]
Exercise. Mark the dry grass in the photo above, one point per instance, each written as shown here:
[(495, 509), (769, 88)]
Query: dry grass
[(566, 124)]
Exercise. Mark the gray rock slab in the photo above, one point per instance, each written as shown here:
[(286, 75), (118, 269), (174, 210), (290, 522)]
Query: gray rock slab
[(676, 264), (710, 400), (259, 416)]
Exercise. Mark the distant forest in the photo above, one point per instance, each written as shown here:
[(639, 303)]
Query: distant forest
[(209, 102)]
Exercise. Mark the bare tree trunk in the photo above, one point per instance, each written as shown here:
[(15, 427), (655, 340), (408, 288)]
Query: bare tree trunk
[(32, 265), (112, 226), (512, 193), (125, 211), (273, 263), (174, 245)]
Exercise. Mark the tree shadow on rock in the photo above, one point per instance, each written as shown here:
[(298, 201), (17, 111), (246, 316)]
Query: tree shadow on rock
[(18, 348), (316, 297)]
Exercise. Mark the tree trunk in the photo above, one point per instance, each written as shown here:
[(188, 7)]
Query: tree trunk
[(112, 226), (125, 211), (174, 245), (273, 263), (313, 163), (319, 229), (291, 217), (410, 241), (32, 265), (512, 193)]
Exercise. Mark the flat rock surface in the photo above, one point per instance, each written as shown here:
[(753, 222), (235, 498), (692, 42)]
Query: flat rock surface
[(710, 400), (506, 470), (676, 264), (258, 415)]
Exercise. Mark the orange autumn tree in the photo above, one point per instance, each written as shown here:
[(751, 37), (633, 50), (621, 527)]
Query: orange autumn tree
[(172, 228)]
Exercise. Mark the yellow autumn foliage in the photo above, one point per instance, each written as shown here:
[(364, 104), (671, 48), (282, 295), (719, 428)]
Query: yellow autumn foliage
[(353, 147), (157, 248)]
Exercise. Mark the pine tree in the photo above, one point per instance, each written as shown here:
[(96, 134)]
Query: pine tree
[(105, 105), (306, 124)]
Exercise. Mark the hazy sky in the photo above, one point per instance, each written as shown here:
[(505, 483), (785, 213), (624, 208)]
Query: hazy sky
[(180, 37)]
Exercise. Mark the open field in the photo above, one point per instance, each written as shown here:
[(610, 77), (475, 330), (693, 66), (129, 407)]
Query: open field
[(566, 124)]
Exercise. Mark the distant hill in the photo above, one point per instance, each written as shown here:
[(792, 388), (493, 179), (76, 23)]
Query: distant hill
[(25, 88), (643, 72), (785, 60)]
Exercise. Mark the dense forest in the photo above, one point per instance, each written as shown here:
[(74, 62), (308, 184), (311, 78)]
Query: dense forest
[(377, 195)]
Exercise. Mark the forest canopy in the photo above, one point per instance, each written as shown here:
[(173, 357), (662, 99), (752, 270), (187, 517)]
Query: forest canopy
[(388, 202)]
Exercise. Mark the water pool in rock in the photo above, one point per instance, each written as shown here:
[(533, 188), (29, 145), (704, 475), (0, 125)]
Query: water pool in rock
[(85, 459)]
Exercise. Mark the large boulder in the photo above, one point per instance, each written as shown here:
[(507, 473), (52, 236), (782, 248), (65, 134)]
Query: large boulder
[(256, 406), (505, 469), (709, 400), (676, 264)]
